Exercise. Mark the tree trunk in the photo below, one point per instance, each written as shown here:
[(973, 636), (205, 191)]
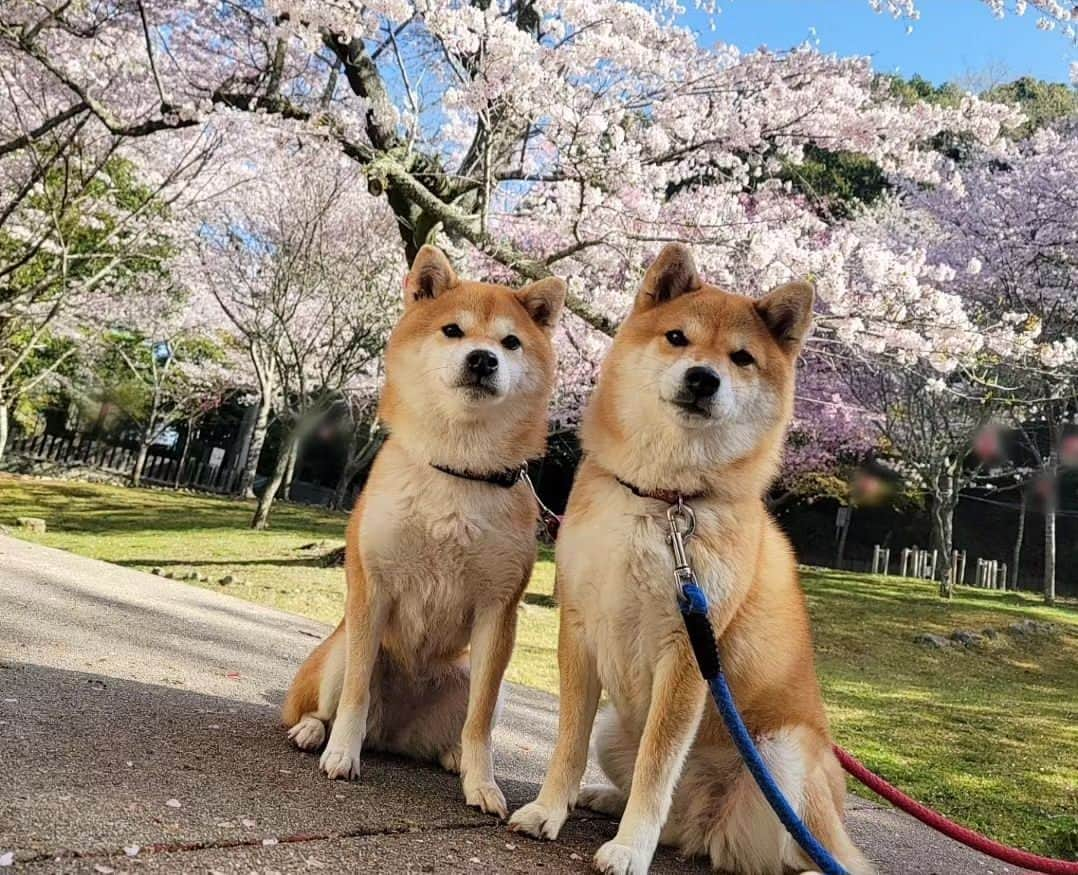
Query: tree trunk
[(140, 461), (356, 463), (1050, 507), (4, 427), (290, 473), (148, 435), (340, 491), (241, 447), (1016, 557), (265, 500), (943, 505), (254, 451), (183, 453)]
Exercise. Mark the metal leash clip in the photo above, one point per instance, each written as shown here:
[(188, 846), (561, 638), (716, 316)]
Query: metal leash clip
[(551, 521), (682, 522)]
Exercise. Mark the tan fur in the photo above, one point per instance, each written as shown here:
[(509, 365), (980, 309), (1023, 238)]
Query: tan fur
[(436, 565), (676, 776)]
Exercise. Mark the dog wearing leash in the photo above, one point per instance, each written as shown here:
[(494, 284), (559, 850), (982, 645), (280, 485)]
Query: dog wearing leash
[(691, 408), (441, 543)]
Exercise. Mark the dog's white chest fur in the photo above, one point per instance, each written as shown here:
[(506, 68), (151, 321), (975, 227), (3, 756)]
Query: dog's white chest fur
[(440, 547), (619, 562)]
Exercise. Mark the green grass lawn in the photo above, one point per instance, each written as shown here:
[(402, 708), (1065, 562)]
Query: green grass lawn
[(989, 736)]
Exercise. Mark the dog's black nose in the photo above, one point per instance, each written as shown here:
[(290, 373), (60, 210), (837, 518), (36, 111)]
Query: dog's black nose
[(482, 362), (701, 382)]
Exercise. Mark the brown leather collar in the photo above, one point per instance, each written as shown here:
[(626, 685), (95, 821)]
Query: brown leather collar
[(669, 496)]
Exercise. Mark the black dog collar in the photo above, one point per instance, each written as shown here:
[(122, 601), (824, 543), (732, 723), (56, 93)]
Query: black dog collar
[(505, 479)]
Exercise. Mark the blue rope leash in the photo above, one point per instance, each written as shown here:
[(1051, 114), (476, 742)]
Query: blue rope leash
[(693, 604)]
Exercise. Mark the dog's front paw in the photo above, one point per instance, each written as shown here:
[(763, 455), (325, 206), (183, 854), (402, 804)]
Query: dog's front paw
[(617, 859), (309, 733), (339, 763), (486, 796), (539, 821)]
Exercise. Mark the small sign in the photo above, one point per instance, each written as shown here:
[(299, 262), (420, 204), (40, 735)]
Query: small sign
[(217, 456), (842, 518)]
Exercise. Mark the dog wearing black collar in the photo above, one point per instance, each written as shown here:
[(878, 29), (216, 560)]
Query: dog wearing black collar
[(441, 544)]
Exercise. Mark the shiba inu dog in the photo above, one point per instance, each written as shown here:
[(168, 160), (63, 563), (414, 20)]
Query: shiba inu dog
[(692, 403), (441, 543)]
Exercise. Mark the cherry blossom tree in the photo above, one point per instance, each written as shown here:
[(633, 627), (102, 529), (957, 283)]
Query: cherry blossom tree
[(227, 266), (306, 268), (155, 382), (997, 240), (1007, 220), (573, 137), (927, 425), (79, 223), (830, 437)]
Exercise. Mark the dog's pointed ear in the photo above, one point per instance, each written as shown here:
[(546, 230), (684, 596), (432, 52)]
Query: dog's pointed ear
[(787, 312), (431, 274), (670, 276), (544, 300)]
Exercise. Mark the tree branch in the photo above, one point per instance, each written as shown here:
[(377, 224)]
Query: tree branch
[(466, 225), (41, 130)]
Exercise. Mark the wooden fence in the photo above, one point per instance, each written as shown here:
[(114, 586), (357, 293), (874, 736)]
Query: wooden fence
[(161, 468), (923, 564)]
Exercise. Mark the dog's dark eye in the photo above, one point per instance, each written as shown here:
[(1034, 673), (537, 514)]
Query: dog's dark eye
[(742, 358), (511, 341), (677, 338), (452, 330)]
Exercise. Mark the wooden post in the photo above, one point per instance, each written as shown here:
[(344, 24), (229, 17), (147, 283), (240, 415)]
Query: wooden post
[(1003, 576), (932, 566), (875, 558), (962, 568), (886, 556), (905, 560), (979, 579), (842, 520)]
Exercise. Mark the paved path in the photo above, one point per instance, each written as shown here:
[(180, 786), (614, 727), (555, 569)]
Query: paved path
[(139, 711)]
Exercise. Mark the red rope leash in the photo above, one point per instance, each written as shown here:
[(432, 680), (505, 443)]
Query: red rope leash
[(950, 829)]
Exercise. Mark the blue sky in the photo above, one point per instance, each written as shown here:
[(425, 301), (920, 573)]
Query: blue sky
[(952, 39)]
